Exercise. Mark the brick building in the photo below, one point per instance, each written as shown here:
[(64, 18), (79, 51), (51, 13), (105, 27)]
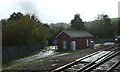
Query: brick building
[(73, 39)]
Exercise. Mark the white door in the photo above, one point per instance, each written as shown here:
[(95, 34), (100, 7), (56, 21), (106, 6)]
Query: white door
[(73, 45), (87, 43), (64, 44)]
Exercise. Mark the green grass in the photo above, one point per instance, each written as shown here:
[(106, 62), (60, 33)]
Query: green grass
[(8, 64), (15, 58), (39, 59), (11, 65), (47, 47), (43, 61), (77, 50), (114, 19)]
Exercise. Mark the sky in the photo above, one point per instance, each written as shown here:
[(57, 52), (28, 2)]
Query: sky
[(54, 11)]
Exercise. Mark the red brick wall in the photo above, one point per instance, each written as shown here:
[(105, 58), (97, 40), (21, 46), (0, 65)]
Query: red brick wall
[(80, 42), (60, 40)]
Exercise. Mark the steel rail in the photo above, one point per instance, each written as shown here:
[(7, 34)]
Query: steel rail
[(116, 64), (74, 62), (100, 63), (91, 63)]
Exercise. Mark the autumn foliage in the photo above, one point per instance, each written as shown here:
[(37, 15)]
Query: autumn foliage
[(22, 29)]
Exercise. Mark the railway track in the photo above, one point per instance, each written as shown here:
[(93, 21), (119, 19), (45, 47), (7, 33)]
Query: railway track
[(94, 62), (114, 67)]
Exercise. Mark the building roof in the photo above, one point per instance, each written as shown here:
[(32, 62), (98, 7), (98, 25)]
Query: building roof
[(76, 33)]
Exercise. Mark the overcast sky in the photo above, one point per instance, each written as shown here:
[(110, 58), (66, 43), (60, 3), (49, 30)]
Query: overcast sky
[(53, 11)]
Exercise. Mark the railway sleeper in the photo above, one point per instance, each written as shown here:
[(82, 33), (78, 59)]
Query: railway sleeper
[(115, 65), (73, 63), (100, 63), (92, 63)]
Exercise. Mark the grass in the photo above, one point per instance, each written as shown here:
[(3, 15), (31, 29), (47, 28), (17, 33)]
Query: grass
[(8, 64), (11, 65), (114, 19), (77, 50), (39, 59), (44, 61), (47, 48)]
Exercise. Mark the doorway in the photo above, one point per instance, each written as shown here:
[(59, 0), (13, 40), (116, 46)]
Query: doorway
[(64, 45), (73, 45), (87, 43)]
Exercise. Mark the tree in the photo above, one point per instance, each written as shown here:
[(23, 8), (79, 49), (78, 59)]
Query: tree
[(23, 31), (103, 27), (46, 25), (15, 16), (108, 27), (118, 27), (77, 22)]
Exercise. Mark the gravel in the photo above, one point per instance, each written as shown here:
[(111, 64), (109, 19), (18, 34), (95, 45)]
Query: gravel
[(53, 62)]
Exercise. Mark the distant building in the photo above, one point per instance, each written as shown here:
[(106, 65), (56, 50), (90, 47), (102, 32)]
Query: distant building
[(73, 39)]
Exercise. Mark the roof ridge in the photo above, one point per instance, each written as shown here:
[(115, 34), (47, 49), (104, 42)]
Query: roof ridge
[(75, 33)]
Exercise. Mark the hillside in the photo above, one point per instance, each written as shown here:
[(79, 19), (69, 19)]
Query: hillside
[(114, 19), (87, 24), (60, 24), (90, 23)]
